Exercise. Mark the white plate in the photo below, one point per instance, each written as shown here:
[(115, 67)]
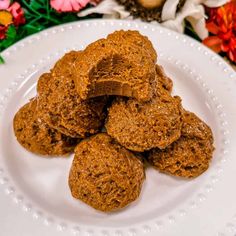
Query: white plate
[(34, 196)]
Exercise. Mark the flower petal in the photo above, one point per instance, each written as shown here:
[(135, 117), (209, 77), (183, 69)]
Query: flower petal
[(68, 5), (176, 25), (197, 20), (56, 4), (110, 9), (169, 10), (214, 43), (3, 31), (196, 14), (198, 26), (212, 27), (232, 55), (215, 3), (18, 14), (4, 4)]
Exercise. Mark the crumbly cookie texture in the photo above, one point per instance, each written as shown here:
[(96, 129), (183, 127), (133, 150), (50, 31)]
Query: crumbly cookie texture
[(60, 106), (104, 174), (122, 64), (191, 154), (36, 136), (115, 97), (163, 81), (143, 126)]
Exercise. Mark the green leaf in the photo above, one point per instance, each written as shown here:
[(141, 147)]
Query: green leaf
[(69, 17), (1, 60), (39, 16), (31, 29), (37, 4), (11, 32), (10, 37)]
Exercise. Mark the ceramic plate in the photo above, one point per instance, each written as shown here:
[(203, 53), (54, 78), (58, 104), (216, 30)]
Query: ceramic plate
[(34, 195)]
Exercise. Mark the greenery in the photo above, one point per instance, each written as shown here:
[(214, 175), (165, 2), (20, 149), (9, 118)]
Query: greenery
[(39, 16), (1, 60)]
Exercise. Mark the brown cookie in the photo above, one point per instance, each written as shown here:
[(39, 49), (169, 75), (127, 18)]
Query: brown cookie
[(36, 136), (190, 155), (60, 106), (104, 174), (143, 126), (122, 64), (163, 80), (133, 38)]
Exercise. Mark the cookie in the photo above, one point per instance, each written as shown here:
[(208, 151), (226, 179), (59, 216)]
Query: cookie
[(36, 136), (163, 80), (60, 106), (104, 174), (190, 155), (133, 38), (122, 64), (143, 126)]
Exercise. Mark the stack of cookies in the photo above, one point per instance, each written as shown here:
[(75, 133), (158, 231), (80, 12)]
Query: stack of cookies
[(111, 105)]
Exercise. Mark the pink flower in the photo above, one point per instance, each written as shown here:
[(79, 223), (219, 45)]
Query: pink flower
[(68, 5), (17, 12), (4, 4)]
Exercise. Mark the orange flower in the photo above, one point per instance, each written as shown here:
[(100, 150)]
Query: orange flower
[(222, 25)]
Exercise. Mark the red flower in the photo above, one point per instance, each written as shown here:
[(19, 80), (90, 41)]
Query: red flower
[(10, 14), (3, 30), (222, 25), (17, 13)]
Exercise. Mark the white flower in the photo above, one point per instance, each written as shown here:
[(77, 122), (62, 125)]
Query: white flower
[(110, 9), (192, 11)]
